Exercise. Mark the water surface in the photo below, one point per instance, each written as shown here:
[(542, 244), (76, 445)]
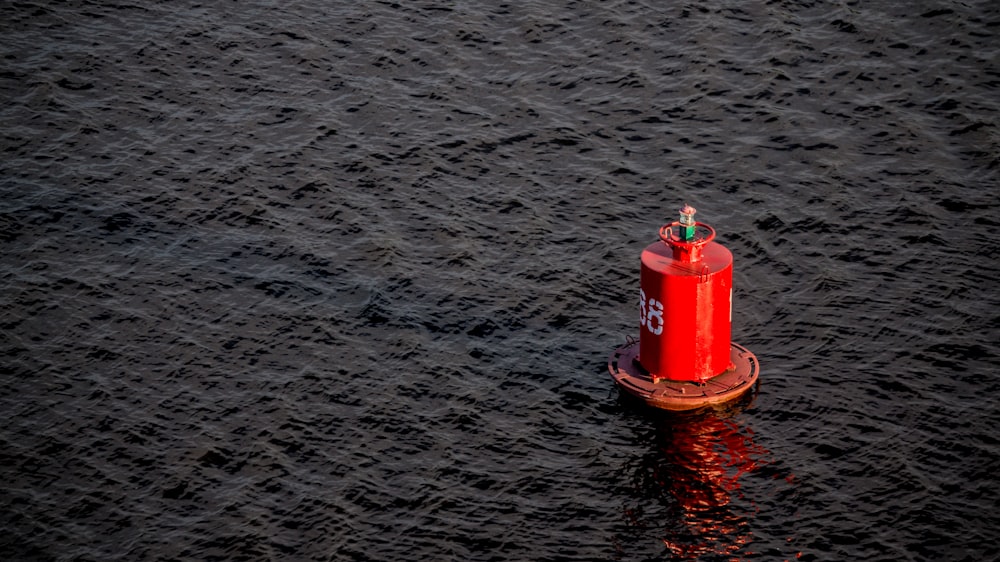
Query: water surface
[(339, 280)]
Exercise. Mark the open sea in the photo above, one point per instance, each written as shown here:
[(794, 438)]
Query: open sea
[(331, 280)]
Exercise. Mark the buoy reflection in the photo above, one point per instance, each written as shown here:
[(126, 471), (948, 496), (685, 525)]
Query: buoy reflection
[(694, 472)]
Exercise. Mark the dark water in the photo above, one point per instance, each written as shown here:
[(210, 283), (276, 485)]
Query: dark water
[(338, 280)]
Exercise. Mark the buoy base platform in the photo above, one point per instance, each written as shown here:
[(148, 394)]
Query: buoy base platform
[(632, 379)]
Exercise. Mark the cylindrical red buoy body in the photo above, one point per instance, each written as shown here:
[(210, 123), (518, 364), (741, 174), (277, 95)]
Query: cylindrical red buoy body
[(685, 312)]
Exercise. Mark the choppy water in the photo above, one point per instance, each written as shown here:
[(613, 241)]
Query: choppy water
[(338, 280)]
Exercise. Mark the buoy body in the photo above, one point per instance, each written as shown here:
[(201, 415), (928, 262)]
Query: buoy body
[(684, 357), (696, 297)]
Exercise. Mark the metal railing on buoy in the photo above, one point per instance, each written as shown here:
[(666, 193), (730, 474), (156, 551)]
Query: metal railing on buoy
[(684, 358)]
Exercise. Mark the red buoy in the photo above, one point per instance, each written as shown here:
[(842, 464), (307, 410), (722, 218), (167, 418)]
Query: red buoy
[(684, 358)]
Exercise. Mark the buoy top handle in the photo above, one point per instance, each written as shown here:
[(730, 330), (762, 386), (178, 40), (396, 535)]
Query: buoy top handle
[(686, 237)]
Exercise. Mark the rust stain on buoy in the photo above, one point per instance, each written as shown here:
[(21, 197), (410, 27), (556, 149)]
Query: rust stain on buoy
[(684, 358)]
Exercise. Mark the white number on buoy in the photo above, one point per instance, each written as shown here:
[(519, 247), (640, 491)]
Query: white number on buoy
[(650, 314)]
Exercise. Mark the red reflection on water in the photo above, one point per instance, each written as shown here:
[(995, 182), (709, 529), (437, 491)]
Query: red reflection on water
[(694, 473), (705, 460)]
